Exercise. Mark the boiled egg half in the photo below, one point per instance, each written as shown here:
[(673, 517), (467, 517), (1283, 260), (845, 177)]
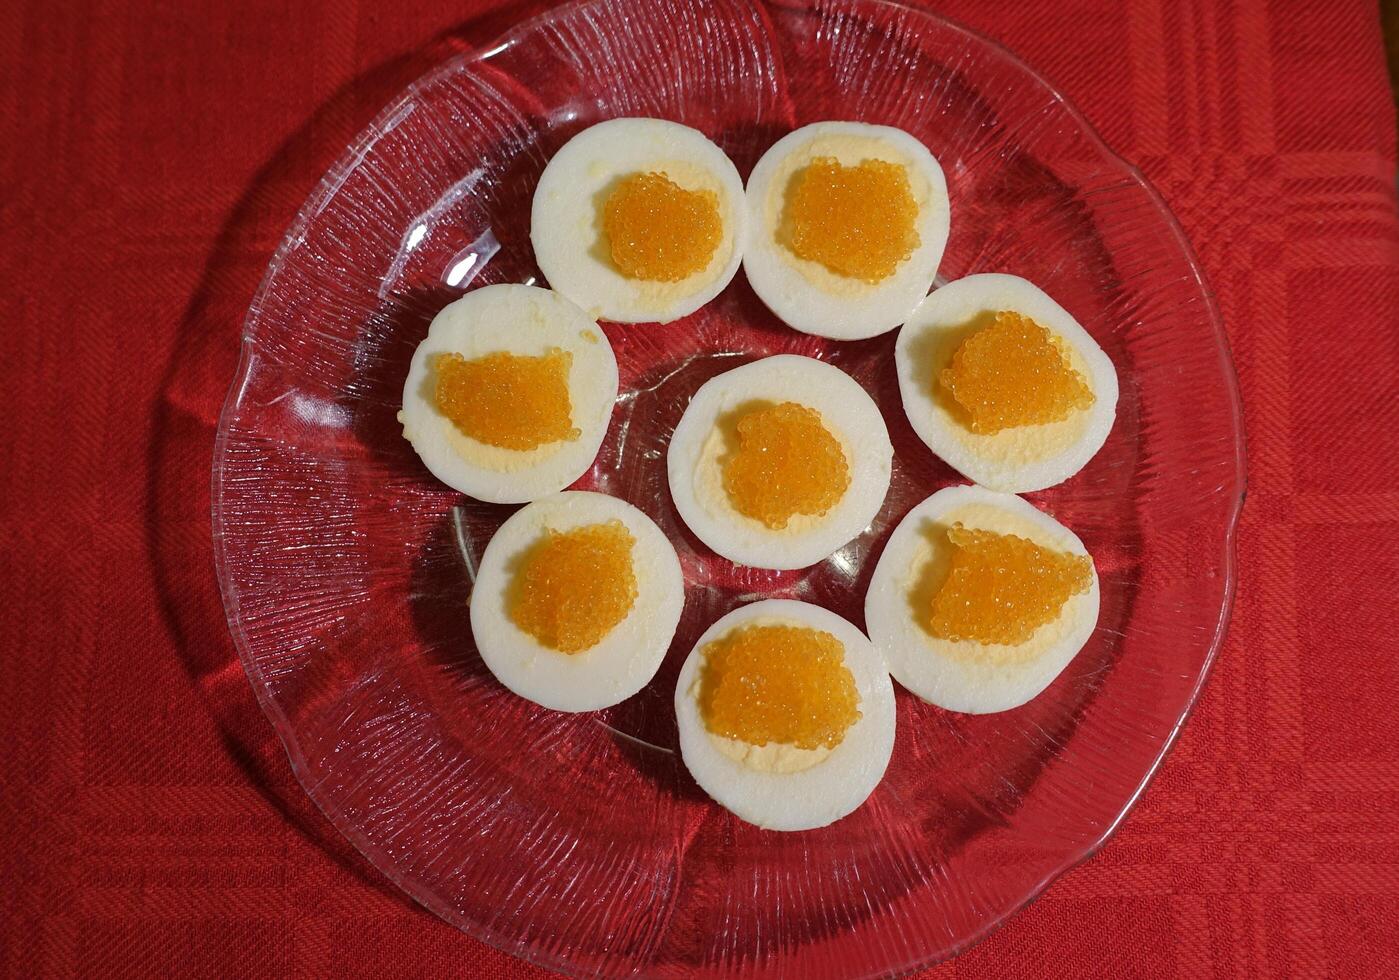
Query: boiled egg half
[(576, 601), (509, 396), (1003, 384), (980, 600), (847, 225), (786, 715), (639, 220), (780, 462)]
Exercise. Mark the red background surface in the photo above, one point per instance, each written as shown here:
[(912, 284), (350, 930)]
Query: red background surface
[(152, 153)]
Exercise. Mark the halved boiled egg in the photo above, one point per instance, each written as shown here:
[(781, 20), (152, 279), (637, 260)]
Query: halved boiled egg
[(1003, 384), (847, 225), (786, 715), (638, 220), (980, 600), (778, 463), (576, 601), (509, 395)]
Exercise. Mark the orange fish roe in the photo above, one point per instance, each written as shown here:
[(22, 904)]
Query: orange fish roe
[(787, 463), (1001, 587), (1012, 373), (507, 400), (785, 684), (573, 587), (856, 221), (658, 230)]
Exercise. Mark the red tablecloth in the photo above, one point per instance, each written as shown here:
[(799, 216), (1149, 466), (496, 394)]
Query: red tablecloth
[(153, 153)]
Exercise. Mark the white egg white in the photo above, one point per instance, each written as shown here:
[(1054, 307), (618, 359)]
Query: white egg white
[(566, 227), (784, 787), (805, 294), (704, 438), (527, 321), (964, 675), (620, 664), (1014, 460)]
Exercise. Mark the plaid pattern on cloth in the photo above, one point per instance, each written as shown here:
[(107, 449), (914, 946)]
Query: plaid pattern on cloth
[(153, 154)]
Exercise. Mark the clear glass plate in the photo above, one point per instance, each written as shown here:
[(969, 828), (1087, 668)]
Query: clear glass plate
[(579, 842)]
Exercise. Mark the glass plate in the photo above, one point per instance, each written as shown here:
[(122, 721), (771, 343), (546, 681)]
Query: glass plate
[(579, 842)]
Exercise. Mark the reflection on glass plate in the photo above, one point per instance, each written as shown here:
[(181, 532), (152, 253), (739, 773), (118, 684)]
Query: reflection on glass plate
[(578, 841)]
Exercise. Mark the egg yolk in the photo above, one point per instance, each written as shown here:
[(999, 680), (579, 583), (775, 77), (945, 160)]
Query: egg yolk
[(507, 400), (572, 587), (1013, 373), (1000, 588), (658, 230), (787, 463), (856, 221), (784, 684)]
